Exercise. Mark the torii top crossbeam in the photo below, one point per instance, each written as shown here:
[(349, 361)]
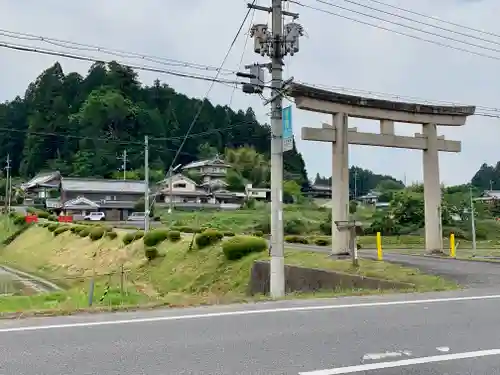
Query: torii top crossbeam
[(324, 101)]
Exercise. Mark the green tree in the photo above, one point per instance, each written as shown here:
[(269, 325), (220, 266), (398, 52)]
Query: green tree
[(79, 124)]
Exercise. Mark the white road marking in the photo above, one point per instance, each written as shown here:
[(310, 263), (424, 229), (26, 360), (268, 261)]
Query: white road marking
[(379, 356), (443, 349), (404, 362), (245, 312)]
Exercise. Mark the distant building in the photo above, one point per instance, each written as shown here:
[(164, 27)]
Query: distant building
[(212, 172), (370, 198), (489, 196), (80, 196), (116, 198)]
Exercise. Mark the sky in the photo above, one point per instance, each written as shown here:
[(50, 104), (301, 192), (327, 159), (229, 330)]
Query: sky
[(335, 52)]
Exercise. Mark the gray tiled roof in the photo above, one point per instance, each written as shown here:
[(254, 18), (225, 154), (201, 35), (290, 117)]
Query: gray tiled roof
[(201, 163), (493, 194), (40, 179), (102, 185)]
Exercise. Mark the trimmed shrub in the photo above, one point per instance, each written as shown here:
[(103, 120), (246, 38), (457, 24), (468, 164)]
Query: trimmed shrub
[(18, 219), (60, 230), (96, 233), (131, 237), (42, 214), (154, 237), (296, 239), (208, 237), (174, 236), (258, 233), (151, 253), (240, 246), (111, 235), (77, 228), (229, 234), (106, 228), (294, 226), (53, 218), (189, 230), (84, 232), (322, 242), (52, 227)]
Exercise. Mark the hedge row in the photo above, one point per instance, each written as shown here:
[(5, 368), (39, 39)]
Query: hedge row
[(208, 237), (156, 236), (94, 232), (308, 241), (131, 237), (240, 246)]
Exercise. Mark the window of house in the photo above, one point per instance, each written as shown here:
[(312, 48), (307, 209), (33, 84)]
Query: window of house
[(108, 197), (180, 185)]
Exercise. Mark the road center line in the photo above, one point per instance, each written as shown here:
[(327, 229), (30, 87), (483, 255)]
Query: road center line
[(404, 362), (245, 312)]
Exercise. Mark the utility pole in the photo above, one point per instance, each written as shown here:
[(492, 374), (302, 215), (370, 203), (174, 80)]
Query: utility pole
[(277, 43), (146, 180), (355, 184), (472, 220), (7, 185), (124, 164)]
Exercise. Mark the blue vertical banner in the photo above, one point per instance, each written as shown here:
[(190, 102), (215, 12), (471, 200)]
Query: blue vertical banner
[(287, 129)]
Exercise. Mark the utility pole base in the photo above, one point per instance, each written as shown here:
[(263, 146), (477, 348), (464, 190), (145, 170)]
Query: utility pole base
[(277, 277)]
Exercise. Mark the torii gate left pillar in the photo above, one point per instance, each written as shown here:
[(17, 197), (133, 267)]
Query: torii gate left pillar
[(342, 106), (340, 182)]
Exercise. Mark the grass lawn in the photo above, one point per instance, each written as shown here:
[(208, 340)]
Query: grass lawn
[(178, 278)]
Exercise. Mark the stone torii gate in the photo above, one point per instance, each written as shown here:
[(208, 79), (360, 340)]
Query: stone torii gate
[(342, 107)]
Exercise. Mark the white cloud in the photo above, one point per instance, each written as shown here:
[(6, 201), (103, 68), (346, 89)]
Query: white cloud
[(337, 52)]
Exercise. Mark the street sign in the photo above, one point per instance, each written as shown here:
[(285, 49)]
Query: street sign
[(287, 129)]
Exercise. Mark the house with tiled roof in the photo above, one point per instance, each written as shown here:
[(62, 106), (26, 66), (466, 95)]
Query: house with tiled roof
[(116, 198), (79, 196)]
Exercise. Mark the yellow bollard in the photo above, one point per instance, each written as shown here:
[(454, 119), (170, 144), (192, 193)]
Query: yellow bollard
[(379, 246), (452, 245)]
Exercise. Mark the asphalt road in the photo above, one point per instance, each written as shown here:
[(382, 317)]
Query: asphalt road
[(467, 273), (452, 333)]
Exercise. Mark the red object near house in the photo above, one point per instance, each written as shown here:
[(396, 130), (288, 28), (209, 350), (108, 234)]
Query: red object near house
[(31, 219), (65, 219)]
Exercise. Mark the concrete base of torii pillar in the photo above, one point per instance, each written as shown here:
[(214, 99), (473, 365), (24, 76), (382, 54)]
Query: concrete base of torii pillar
[(340, 183)]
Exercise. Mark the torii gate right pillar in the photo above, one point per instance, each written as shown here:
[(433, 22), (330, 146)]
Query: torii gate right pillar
[(432, 190)]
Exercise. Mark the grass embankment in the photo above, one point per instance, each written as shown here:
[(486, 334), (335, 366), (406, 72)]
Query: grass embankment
[(246, 220), (178, 278)]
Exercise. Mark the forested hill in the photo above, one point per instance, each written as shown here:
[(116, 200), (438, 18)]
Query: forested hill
[(81, 125)]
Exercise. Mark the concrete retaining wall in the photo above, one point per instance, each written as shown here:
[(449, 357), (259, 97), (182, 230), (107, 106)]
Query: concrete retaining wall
[(301, 279)]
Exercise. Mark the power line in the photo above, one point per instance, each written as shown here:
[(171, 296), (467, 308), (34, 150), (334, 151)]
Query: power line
[(112, 140), (114, 52), (407, 26), (416, 37), (417, 21), (243, 54), (435, 18), (197, 115), (25, 48)]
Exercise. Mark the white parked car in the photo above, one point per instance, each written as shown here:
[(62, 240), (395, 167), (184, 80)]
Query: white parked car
[(95, 216), (137, 216)]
